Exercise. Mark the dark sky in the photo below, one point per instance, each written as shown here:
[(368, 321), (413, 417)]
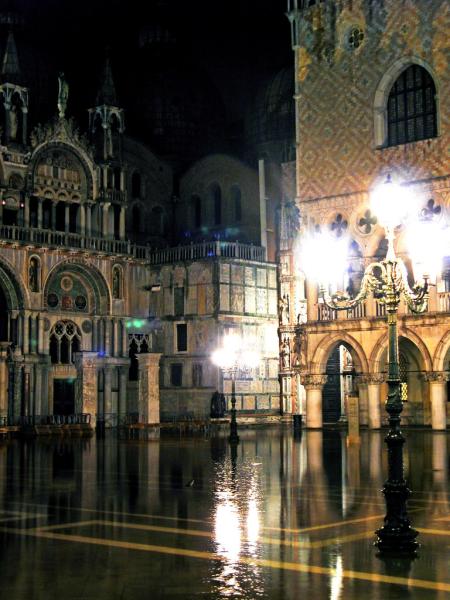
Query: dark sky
[(238, 42)]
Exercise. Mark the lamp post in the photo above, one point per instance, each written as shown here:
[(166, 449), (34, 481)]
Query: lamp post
[(235, 353), (388, 280)]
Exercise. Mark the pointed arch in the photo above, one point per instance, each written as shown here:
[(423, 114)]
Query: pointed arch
[(382, 94), (442, 351), (325, 346), (382, 343)]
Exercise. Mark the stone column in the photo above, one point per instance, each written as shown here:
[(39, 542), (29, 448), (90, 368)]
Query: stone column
[(40, 209), (374, 382), (82, 220), (3, 378), (86, 395), (311, 300), (41, 324), (123, 383), (33, 334), (125, 347), (53, 223), (105, 220), (107, 393), (26, 332), (24, 125), (122, 223), (26, 211), (66, 217), (148, 393), (313, 385), (361, 382), (438, 398), (37, 390), (88, 231)]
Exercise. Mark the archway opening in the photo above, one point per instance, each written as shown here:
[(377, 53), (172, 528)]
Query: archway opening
[(416, 408), (341, 369)]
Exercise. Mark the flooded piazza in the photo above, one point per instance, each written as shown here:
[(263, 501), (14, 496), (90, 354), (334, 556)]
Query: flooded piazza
[(278, 517)]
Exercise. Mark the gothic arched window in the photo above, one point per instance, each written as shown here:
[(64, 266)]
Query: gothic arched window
[(34, 274), (65, 340), (411, 108), (117, 283)]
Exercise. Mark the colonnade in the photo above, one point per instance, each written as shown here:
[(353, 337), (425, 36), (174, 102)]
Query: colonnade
[(370, 388)]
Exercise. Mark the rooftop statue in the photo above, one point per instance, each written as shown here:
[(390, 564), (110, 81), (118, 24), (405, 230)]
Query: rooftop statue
[(63, 94)]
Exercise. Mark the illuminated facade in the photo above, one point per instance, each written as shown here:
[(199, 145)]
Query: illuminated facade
[(371, 100)]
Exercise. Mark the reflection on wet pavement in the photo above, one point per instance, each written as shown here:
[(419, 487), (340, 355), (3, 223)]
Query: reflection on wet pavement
[(278, 517)]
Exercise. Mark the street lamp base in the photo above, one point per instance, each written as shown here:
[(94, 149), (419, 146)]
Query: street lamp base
[(233, 439), (398, 541)]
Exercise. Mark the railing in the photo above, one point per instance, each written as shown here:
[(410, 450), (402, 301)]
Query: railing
[(325, 313), (32, 420), (111, 195), (357, 312), (58, 239), (444, 301), (208, 250)]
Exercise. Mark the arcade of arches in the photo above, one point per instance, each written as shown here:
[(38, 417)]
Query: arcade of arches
[(343, 369)]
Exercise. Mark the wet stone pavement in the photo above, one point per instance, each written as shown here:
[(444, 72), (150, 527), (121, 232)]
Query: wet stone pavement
[(278, 517)]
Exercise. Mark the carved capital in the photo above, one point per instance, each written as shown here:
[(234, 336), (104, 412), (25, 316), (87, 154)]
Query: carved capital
[(362, 379), (314, 381), (436, 377), (376, 378)]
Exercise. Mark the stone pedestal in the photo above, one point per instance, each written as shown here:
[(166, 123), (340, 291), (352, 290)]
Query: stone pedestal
[(374, 383), (438, 399), (313, 385), (86, 394), (148, 392), (353, 417)]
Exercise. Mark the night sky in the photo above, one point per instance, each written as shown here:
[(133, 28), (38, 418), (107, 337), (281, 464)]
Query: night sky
[(238, 43)]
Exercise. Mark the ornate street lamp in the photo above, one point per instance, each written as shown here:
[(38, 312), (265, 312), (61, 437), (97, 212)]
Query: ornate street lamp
[(388, 280), (234, 354)]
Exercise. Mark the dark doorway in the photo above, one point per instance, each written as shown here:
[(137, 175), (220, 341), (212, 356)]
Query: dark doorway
[(63, 397), (331, 394)]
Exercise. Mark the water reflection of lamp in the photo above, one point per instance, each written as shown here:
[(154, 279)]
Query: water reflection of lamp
[(324, 258)]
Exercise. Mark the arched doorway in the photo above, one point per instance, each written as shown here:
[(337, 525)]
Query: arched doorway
[(341, 372), (416, 407)]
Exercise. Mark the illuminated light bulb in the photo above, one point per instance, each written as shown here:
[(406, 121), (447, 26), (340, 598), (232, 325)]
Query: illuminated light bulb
[(323, 257), (427, 243), (392, 203)]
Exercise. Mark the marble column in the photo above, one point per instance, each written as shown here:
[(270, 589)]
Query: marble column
[(67, 218), (88, 231), (40, 213), (438, 398), (41, 325), (122, 223), (105, 220), (107, 394), (37, 408), (361, 382), (374, 382), (24, 125), (26, 332), (86, 399), (313, 385), (122, 408), (53, 220), (125, 345), (82, 220), (26, 212), (148, 388)]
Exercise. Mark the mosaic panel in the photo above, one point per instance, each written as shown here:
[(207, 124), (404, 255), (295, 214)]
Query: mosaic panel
[(250, 300), (224, 297), (225, 272), (261, 277), (237, 299), (237, 274), (249, 276), (261, 301)]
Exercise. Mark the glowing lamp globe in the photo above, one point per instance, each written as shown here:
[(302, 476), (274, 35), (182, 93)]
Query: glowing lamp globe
[(427, 244), (391, 203), (324, 257)]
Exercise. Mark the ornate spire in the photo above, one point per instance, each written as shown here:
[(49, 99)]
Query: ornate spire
[(10, 63), (107, 92)]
